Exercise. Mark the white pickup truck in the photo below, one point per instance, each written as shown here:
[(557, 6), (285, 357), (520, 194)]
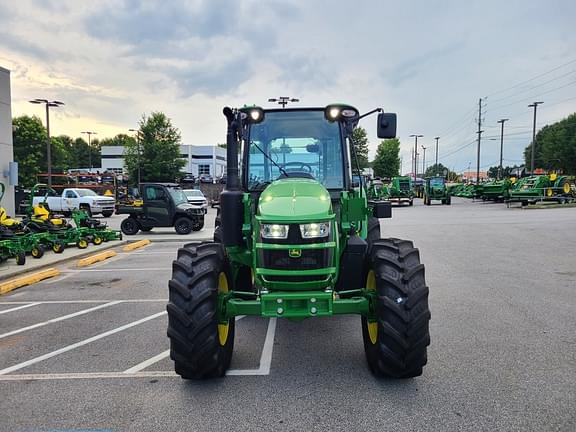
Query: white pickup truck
[(75, 198)]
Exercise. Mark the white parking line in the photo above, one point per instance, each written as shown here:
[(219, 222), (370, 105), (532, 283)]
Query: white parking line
[(95, 270), (265, 357), (146, 363), (88, 375), (62, 318), (85, 301), (78, 344), (19, 307)]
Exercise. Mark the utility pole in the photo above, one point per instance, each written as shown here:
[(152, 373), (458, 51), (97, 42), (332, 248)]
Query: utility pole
[(424, 160), (48, 141), (479, 137), (532, 151), (501, 121), (436, 138), (416, 136), (90, 133)]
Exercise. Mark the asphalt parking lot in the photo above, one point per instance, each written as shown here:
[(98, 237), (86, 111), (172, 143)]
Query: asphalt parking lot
[(88, 349)]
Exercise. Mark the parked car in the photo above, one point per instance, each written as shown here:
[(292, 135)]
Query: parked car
[(197, 199), (206, 178)]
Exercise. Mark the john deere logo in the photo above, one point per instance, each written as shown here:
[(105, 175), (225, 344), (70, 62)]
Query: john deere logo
[(295, 253)]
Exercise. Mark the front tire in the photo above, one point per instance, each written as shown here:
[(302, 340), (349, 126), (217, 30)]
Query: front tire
[(37, 251), (107, 214), (395, 341), (130, 226), (200, 346), (183, 225)]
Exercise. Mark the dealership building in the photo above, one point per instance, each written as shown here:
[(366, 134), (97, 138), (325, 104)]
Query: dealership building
[(8, 170), (200, 159)]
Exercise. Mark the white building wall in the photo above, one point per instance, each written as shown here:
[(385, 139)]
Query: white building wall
[(195, 156), (6, 147)]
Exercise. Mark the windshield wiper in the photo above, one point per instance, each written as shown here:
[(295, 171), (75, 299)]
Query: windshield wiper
[(270, 159)]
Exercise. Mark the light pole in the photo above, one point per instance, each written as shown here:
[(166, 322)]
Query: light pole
[(416, 136), (501, 121), (436, 138), (137, 151), (90, 133), (283, 100), (533, 105), (48, 145), (424, 160)]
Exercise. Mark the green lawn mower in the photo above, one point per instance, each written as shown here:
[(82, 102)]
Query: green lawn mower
[(296, 239), (553, 187)]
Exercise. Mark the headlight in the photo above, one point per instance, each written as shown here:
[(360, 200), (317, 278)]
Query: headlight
[(315, 230), (274, 231)]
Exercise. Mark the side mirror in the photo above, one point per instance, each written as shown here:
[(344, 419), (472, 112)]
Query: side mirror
[(387, 125), (382, 210)]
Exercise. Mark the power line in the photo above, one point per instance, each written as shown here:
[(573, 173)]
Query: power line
[(533, 87), (533, 78), (536, 95)]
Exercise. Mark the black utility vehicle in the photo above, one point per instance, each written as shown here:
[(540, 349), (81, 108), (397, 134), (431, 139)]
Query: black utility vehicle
[(161, 205)]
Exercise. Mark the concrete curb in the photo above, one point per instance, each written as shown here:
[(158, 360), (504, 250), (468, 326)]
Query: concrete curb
[(101, 256), (136, 245), (12, 284)]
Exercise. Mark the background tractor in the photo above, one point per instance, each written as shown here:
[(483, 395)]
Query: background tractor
[(296, 239), (435, 189), (401, 190)]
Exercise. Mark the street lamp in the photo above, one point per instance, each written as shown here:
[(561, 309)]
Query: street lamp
[(137, 151), (48, 145), (424, 161), (533, 105), (90, 147), (283, 100), (501, 121), (416, 153)]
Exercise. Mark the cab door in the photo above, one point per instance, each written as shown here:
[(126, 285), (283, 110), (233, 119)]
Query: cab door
[(70, 201), (157, 206)]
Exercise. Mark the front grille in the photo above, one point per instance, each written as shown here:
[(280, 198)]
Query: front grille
[(404, 186), (310, 259), (295, 278)]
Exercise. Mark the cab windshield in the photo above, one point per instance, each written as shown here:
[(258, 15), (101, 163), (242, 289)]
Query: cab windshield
[(437, 182), (302, 143)]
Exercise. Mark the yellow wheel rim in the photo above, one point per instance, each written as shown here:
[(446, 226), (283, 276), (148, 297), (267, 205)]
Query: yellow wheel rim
[(372, 326), (83, 243), (566, 188), (97, 241), (549, 192), (35, 252), (223, 328)]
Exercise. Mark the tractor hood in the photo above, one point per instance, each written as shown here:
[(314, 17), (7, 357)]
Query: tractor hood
[(294, 199)]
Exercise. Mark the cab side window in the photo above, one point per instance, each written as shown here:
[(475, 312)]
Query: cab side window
[(154, 193), (70, 194)]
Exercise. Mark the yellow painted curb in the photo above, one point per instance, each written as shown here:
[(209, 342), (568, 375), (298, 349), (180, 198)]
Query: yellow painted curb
[(136, 245), (12, 284), (95, 258)]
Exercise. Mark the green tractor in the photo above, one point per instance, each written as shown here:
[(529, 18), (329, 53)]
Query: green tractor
[(378, 191), (435, 189), (295, 239), (553, 187), (401, 190)]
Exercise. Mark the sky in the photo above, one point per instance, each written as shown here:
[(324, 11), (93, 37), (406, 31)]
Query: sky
[(111, 62)]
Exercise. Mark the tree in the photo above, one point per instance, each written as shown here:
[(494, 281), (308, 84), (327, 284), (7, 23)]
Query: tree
[(440, 170), (157, 149), (29, 137), (555, 147), (506, 171), (360, 142), (387, 160)]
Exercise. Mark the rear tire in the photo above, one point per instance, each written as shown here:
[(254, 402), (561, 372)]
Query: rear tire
[(183, 225), (395, 343), (97, 240), (198, 345), (373, 230), (37, 251), (82, 243), (20, 258), (58, 246), (130, 226)]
